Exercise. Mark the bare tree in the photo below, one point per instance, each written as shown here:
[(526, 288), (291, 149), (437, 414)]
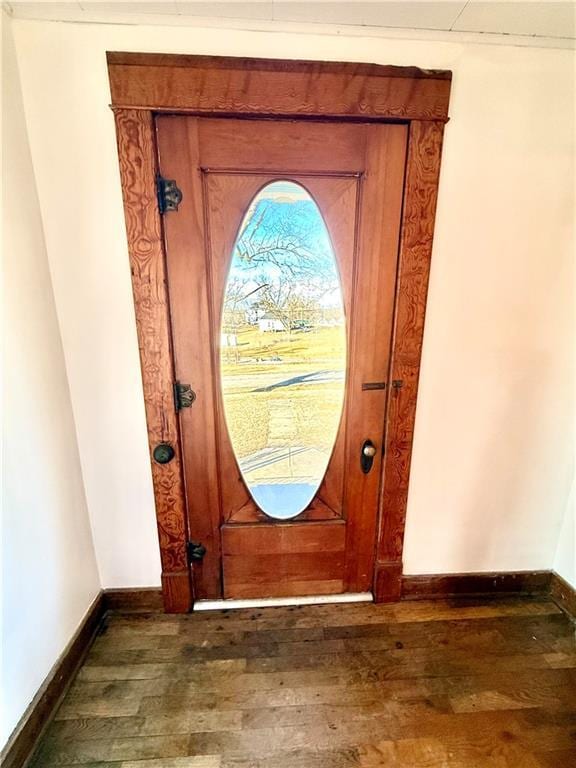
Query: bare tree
[(288, 257), (272, 237)]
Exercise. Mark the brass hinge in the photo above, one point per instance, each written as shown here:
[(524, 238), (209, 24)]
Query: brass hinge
[(184, 395), (169, 196)]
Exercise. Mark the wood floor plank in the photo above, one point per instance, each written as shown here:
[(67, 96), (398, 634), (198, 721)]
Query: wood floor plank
[(304, 617), (191, 761), (386, 665), (186, 721), (436, 684), (87, 690), (198, 761), (483, 636), (297, 758), (367, 693), (56, 751), (92, 707), (211, 669), (557, 758)]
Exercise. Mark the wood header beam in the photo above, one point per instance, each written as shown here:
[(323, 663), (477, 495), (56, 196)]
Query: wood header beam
[(219, 85)]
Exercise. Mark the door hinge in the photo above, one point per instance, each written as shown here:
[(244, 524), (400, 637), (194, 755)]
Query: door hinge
[(184, 395), (169, 196), (196, 551)]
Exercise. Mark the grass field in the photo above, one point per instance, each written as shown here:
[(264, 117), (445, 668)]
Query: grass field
[(283, 388), (256, 351)]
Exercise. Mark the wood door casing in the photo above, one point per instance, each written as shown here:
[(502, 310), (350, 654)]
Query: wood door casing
[(145, 85), (220, 165)]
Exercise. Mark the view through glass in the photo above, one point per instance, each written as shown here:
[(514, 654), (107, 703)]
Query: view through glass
[(283, 349)]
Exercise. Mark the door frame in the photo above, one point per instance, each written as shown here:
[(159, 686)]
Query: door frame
[(144, 85)]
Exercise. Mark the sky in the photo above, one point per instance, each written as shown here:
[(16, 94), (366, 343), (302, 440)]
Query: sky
[(283, 237)]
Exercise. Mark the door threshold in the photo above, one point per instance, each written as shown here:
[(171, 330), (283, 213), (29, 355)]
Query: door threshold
[(273, 602)]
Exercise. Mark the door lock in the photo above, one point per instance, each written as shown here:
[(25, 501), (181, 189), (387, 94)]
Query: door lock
[(367, 456)]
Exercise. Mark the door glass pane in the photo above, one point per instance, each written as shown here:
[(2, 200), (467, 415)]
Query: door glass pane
[(283, 349)]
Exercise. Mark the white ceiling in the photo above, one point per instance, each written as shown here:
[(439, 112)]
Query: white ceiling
[(528, 22)]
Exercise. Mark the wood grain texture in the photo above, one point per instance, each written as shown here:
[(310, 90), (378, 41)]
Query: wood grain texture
[(425, 684), (234, 144), (276, 538), (563, 594), (136, 150), (190, 308), (420, 195), (243, 86), (132, 643), (43, 707), (378, 232), (129, 599), (290, 575), (387, 581), (362, 207), (474, 584), (283, 559), (250, 88), (228, 196)]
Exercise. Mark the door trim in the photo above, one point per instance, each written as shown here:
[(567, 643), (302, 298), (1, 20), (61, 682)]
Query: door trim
[(143, 85), (222, 85)]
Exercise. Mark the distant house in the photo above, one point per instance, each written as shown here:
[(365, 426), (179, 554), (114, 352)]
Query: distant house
[(269, 323)]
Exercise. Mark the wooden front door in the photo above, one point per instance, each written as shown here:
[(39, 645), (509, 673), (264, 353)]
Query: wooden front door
[(281, 264)]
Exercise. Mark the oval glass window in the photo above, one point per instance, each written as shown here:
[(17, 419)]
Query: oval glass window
[(283, 349)]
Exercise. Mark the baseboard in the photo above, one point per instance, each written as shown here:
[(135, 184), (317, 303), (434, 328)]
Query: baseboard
[(425, 586), (39, 713), (431, 586), (387, 581), (563, 594), (147, 599)]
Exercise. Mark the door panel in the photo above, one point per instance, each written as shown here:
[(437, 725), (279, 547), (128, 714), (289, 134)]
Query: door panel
[(285, 559), (336, 198), (281, 145), (354, 173)]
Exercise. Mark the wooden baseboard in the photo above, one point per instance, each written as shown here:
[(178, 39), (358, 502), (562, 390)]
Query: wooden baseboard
[(32, 725), (387, 582), (432, 586), (563, 594), (147, 599), (177, 591)]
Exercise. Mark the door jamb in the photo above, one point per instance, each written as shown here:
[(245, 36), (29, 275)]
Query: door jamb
[(143, 85)]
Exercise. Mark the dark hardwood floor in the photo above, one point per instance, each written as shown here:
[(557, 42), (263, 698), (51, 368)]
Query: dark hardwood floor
[(477, 684)]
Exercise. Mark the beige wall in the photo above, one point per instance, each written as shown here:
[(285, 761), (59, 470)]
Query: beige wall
[(493, 447), (49, 574)]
